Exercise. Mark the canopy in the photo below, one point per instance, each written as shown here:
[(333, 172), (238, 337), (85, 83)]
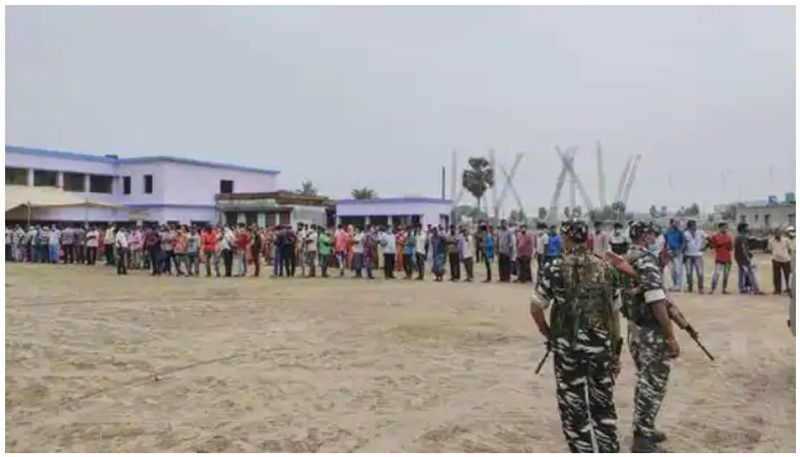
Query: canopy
[(48, 197)]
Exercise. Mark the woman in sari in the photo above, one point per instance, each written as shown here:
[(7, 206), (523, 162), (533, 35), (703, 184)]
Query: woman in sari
[(439, 249)]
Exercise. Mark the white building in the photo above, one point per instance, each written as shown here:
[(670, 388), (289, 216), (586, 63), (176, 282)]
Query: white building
[(394, 211)]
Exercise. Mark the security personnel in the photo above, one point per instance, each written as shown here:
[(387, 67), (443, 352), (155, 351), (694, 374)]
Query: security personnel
[(651, 339), (583, 335)]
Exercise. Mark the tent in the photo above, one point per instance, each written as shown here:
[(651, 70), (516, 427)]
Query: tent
[(25, 198)]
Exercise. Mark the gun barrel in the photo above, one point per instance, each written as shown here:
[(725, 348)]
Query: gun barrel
[(541, 362), (697, 340)]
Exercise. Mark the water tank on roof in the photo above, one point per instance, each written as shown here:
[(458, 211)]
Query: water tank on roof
[(789, 197)]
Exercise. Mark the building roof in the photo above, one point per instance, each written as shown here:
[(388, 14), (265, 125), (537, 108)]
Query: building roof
[(114, 159), (47, 197), (281, 197), (354, 201)]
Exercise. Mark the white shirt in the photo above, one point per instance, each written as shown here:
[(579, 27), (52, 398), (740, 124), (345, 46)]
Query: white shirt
[(228, 239), (422, 238), (601, 244), (694, 242), (122, 239), (358, 243), (109, 239), (541, 243), (55, 237), (466, 247), (311, 242), (389, 243), (92, 238)]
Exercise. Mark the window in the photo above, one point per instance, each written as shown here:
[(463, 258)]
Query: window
[(100, 184), (16, 176), (756, 217), (126, 185), (225, 186), (766, 220), (45, 178), (148, 184), (75, 182)]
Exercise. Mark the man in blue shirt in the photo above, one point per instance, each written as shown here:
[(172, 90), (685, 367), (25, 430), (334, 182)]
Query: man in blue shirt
[(676, 244), (553, 244)]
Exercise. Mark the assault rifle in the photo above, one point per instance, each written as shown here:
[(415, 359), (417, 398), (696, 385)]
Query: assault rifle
[(544, 359), (674, 313)]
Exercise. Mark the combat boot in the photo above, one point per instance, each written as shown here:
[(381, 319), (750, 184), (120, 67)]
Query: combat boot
[(659, 436), (645, 445)]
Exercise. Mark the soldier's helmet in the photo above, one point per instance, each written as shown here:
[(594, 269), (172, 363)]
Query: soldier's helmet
[(638, 229), (575, 230)]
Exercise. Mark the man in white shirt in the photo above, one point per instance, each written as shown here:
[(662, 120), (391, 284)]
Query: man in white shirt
[(310, 249), (782, 251), (54, 244), (421, 251), (388, 242), (108, 241), (121, 248), (358, 251), (600, 244), (466, 242), (228, 239), (542, 239), (694, 244)]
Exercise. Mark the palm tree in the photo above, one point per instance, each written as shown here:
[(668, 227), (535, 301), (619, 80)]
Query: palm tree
[(307, 188), (364, 194), (478, 178)]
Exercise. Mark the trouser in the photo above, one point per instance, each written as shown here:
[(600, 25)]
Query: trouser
[(358, 263), (504, 265), (487, 260), (368, 263), (190, 258), (341, 259), (324, 259), (515, 268), (468, 268), (676, 265), (178, 258), (455, 266), (16, 253), (420, 265), (694, 264), (227, 260), (122, 255), (276, 262), (8, 252), (747, 278), (726, 270), (585, 392), (91, 254), (310, 261), (256, 254), (55, 251), (211, 259), (388, 266), (241, 261), (155, 261), (777, 267), (44, 253), (408, 264), (169, 257), (109, 254), (525, 274), (650, 354), (80, 253), (287, 260), (33, 257)]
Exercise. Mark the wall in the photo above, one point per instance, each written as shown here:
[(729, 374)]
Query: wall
[(196, 185), (428, 209), (780, 216)]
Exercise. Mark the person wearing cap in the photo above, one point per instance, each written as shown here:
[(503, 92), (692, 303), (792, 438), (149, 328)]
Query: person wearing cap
[(651, 337), (583, 334), (782, 252)]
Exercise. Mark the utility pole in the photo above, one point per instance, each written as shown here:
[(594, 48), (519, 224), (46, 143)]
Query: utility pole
[(453, 177), (493, 163)]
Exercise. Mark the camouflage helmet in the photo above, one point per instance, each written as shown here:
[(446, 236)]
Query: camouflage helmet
[(575, 230), (638, 229)]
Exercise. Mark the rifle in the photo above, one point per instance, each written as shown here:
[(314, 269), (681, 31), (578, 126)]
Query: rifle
[(674, 313), (541, 362)]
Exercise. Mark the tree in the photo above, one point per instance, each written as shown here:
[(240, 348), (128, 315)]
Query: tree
[(478, 178), (307, 188), (364, 194), (462, 211), (618, 210), (567, 212), (693, 210), (663, 211), (542, 213), (653, 211)]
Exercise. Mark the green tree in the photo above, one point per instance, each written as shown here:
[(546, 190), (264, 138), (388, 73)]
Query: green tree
[(477, 178), (364, 194), (518, 216), (542, 213), (653, 211), (307, 188), (462, 211)]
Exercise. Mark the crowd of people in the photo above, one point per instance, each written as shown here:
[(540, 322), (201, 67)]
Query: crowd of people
[(406, 251)]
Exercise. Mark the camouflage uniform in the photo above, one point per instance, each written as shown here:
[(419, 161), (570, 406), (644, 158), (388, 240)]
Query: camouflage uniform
[(646, 341), (584, 337)]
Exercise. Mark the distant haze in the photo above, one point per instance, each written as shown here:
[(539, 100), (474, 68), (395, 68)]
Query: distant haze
[(379, 97)]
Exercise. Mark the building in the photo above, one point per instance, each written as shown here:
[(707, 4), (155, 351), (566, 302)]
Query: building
[(149, 189), (268, 209), (394, 211), (770, 214)]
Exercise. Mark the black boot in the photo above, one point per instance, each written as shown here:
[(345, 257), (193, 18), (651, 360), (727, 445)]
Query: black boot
[(645, 445), (659, 436)]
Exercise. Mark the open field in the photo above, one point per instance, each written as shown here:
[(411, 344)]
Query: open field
[(96, 362)]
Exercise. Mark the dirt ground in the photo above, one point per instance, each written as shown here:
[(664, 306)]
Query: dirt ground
[(97, 362)]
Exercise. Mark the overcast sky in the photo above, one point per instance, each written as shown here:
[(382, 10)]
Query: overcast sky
[(379, 97)]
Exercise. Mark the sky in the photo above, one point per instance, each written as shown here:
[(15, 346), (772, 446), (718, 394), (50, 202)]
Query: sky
[(379, 97)]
